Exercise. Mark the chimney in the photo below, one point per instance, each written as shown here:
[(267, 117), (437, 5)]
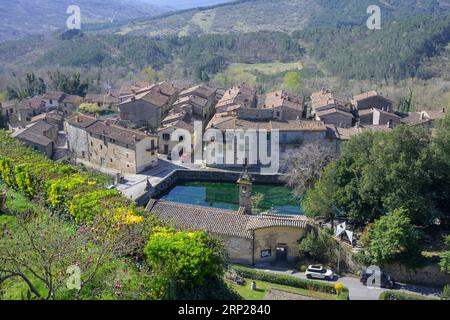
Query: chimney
[(443, 110), (78, 118), (422, 116)]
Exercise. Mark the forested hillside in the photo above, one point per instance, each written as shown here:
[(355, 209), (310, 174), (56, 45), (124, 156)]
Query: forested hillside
[(280, 15), (395, 52), (19, 18)]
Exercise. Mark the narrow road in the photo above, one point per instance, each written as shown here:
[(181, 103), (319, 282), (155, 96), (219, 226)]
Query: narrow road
[(357, 290)]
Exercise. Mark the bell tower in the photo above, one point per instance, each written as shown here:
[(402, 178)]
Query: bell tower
[(245, 183)]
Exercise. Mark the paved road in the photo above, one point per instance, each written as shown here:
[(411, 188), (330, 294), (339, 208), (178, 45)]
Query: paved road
[(357, 290)]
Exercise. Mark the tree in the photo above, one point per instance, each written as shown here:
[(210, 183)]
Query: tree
[(305, 166), (68, 83), (151, 75), (30, 86), (319, 245), (393, 238), (441, 167), (183, 261), (257, 199), (40, 250), (445, 256), (379, 173), (318, 202), (292, 81)]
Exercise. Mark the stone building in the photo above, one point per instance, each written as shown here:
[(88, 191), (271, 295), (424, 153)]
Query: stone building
[(248, 239), (109, 146), (77, 136), (376, 117), (292, 133), (424, 119), (336, 115), (325, 99), (52, 99), (106, 101), (120, 149), (241, 96), (41, 136), (183, 119), (201, 98), (148, 106), (284, 105), (372, 99)]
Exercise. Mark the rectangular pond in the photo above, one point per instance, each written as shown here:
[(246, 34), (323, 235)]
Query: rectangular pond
[(276, 198)]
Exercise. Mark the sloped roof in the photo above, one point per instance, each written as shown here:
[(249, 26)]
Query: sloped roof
[(35, 133), (281, 98), (118, 133), (80, 120), (220, 221)]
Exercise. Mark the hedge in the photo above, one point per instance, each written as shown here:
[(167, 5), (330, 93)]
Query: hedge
[(290, 281), (398, 295)]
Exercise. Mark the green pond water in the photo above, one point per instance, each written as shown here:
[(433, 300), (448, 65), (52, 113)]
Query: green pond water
[(278, 199)]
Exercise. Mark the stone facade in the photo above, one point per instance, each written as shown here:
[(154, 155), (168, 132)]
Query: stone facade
[(274, 238)]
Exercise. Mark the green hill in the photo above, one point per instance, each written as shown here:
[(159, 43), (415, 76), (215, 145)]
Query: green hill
[(275, 15)]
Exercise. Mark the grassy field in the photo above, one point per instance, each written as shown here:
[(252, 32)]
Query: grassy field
[(263, 288), (16, 202), (265, 68)]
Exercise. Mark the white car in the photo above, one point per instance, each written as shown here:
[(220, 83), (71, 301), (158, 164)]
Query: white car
[(319, 272)]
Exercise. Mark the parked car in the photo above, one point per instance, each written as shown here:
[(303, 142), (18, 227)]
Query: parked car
[(385, 280), (319, 272)]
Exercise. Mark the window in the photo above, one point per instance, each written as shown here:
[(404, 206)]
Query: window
[(101, 147), (166, 136), (110, 160), (181, 138), (153, 153), (92, 144), (51, 101)]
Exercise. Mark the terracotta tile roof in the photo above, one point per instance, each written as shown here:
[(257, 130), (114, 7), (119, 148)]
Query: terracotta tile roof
[(157, 94), (365, 95), (334, 110), (324, 98), (347, 133), (281, 98), (32, 103), (101, 98), (181, 120), (118, 133), (415, 118), (219, 221), (53, 95), (373, 110), (369, 94), (35, 133), (232, 122), (239, 95), (80, 120), (201, 90)]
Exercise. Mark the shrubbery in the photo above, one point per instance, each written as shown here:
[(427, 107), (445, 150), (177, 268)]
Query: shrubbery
[(290, 281), (396, 295), (65, 189)]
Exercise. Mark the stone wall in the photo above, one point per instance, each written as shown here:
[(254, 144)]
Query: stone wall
[(429, 275), (270, 238)]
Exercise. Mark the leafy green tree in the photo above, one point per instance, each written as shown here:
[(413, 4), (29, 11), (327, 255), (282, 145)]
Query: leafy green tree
[(445, 257), (318, 202), (292, 81), (379, 173), (393, 238), (183, 260), (319, 245), (257, 200), (68, 83), (151, 75)]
